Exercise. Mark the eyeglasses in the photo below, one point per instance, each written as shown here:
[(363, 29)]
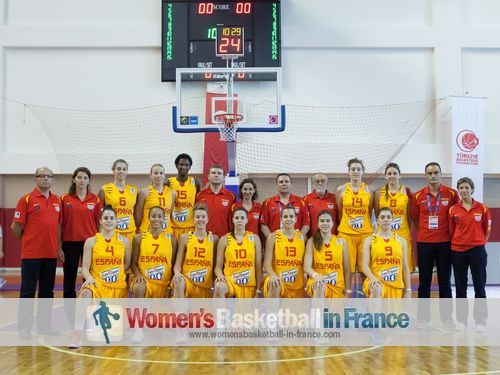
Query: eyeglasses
[(44, 176)]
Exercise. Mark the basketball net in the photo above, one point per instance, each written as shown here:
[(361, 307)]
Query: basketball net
[(228, 124)]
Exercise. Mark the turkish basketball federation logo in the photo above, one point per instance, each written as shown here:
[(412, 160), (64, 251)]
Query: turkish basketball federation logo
[(104, 323), (467, 140)]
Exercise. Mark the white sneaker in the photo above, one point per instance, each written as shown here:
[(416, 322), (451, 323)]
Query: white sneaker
[(138, 336), (449, 325), (75, 340), (480, 328), (460, 327)]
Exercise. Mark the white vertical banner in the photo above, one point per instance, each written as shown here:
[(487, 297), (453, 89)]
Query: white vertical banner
[(467, 139)]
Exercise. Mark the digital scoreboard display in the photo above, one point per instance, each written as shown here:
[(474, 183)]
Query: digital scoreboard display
[(193, 34)]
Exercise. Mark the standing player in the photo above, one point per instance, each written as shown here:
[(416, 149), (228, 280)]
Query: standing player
[(284, 259), (218, 201), (272, 208), (355, 202), (398, 198), (156, 194), (470, 227), (194, 265), (239, 253), (384, 261), (122, 197), (152, 257), (318, 200), (185, 188), (106, 257), (247, 193), (326, 261), (81, 210)]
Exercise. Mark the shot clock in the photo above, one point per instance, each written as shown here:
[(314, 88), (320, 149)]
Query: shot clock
[(194, 34)]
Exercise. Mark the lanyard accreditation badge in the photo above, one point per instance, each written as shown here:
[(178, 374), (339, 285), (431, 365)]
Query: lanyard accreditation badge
[(433, 218)]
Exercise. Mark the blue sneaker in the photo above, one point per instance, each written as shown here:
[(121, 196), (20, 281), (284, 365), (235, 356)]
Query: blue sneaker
[(2, 282)]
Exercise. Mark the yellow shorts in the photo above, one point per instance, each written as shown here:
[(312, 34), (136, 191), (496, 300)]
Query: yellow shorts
[(286, 291), (409, 255), (130, 235), (239, 291), (331, 291), (154, 290), (387, 290), (195, 291), (103, 291), (355, 246), (178, 232)]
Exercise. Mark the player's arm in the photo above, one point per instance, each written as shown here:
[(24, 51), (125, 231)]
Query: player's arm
[(376, 202), (414, 211), (306, 220), (174, 246), (101, 197), (268, 261), (486, 223), (219, 264), (139, 206), (172, 205), (346, 265), (17, 229), (258, 265), (366, 261), (128, 253), (197, 185), (179, 259), (338, 196), (136, 249), (371, 204), (308, 260), (451, 222), (406, 270), (87, 261), (264, 221)]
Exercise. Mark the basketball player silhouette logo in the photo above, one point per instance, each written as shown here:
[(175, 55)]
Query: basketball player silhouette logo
[(467, 140), (101, 318)]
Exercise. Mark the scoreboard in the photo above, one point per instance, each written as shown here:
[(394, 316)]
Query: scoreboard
[(204, 34)]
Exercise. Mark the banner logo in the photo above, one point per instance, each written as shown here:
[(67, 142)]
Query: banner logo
[(104, 323), (467, 141)]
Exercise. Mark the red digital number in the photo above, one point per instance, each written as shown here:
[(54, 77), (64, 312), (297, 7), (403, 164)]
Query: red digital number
[(205, 8), (156, 247), (328, 256), (241, 253), (393, 203), (122, 201), (182, 194), (388, 251), (241, 75), (161, 201), (224, 43), (243, 8), (236, 42), (110, 249)]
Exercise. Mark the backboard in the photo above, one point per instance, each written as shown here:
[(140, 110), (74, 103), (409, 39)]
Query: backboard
[(253, 93)]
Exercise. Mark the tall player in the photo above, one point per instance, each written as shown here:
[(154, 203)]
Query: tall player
[(384, 261), (153, 253), (239, 254), (284, 259), (398, 198), (194, 265), (156, 194), (106, 257), (186, 187), (326, 261), (122, 196), (355, 202)]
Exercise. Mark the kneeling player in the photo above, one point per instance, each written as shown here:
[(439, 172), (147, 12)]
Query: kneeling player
[(195, 259), (385, 261), (240, 253), (327, 262), (106, 257), (152, 256), (284, 259)]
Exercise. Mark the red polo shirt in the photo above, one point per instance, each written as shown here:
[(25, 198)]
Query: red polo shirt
[(420, 212), (253, 216), (219, 208), (40, 217), (315, 204), (469, 228), (271, 212), (80, 219)]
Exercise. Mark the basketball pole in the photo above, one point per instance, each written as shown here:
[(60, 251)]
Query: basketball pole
[(232, 180)]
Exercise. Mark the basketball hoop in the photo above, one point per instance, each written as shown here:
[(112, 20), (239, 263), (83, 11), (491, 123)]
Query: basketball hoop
[(227, 123)]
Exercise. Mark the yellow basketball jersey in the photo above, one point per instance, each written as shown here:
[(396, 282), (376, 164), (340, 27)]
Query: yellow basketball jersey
[(239, 262), (123, 203), (386, 260), (185, 196), (199, 260), (288, 259), (163, 199), (355, 216), (398, 203), (328, 262), (108, 258), (155, 257)]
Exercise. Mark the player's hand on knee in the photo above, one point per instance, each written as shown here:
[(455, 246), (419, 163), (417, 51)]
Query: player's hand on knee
[(90, 281), (221, 279), (140, 279)]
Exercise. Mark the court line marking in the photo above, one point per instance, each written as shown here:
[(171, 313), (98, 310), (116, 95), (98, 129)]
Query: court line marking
[(475, 373), (212, 362)]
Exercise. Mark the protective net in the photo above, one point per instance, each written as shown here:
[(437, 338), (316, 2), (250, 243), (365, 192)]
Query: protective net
[(315, 139)]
